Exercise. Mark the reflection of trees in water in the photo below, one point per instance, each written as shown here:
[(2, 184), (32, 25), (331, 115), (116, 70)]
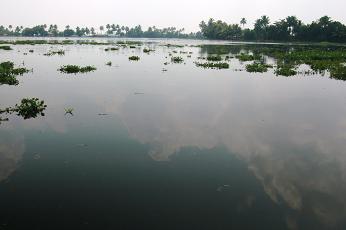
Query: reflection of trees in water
[(11, 153)]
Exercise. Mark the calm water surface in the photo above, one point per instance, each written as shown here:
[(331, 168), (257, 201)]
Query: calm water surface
[(186, 148)]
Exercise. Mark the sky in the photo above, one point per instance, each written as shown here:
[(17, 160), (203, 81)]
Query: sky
[(162, 13)]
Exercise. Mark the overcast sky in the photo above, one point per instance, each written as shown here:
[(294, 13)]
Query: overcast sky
[(162, 13)]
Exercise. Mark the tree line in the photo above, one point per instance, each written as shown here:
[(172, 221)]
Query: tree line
[(108, 30), (288, 29)]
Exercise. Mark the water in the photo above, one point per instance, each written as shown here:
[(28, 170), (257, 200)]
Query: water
[(186, 148)]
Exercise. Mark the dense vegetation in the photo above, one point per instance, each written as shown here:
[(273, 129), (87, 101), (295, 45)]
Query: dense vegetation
[(76, 69), (108, 30), (8, 73), (28, 108), (288, 29)]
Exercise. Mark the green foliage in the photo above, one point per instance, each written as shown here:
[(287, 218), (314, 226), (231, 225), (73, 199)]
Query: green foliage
[(8, 73), (28, 108), (247, 57), (112, 49), (76, 69), (146, 50), (134, 58), (177, 59), (288, 29), (214, 58), (69, 111), (285, 70), (51, 53), (257, 67), (212, 65), (5, 48)]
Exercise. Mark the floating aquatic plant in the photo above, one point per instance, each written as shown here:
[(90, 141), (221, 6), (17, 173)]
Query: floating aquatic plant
[(285, 70), (5, 48), (248, 57), (58, 52), (214, 58), (8, 73), (76, 69), (146, 50), (112, 49), (212, 65), (177, 59), (257, 67), (28, 108), (69, 111), (134, 58)]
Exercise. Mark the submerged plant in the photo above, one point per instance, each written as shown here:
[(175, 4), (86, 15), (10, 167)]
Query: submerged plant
[(212, 65), (76, 69), (134, 58)]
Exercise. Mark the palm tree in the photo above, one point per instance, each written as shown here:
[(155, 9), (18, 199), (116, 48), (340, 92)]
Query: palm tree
[(101, 29), (243, 22)]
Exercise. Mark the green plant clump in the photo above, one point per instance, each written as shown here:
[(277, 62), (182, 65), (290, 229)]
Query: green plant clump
[(257, 67), (248, 57), (211, 65), (8, 73), (112, 49), (177, 59), (285, 70), (146, 50), (51, 53), (5, 48), (76, 69), (28, 108), (134, 58), (214, 58)]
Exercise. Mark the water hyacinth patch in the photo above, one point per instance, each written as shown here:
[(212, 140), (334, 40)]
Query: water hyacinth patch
[(76, 69), (8, 73), (257, 67), (5, 48), (212, 65), (177, 59), (134, 58), (214, 58)]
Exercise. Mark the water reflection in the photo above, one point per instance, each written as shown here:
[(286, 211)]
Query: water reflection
[(289, 133), (11, 152)]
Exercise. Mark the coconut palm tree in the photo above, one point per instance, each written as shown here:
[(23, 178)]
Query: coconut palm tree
[(243, 22), (101, 29)]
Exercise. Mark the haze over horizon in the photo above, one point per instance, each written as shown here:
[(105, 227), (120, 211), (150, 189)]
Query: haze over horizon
[(180, 14)]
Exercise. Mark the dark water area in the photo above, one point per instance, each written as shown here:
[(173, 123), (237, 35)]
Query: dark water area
[(170, 146)]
